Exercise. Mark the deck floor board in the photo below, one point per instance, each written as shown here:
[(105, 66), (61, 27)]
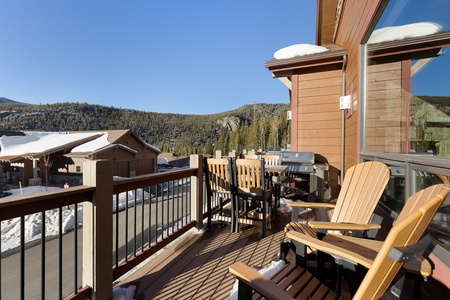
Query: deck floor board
[(199, 268)]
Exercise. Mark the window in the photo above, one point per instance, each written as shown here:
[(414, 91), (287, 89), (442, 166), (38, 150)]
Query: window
[(78, 169), (406, 100)]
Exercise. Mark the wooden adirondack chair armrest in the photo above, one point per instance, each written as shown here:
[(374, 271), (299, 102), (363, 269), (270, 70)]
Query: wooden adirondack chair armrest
[(342, 226), (257, 282), (311, 204), (349, 252), (348, 247)]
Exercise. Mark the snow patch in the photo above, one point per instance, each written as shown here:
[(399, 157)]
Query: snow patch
[(396, 33), (298, 50)]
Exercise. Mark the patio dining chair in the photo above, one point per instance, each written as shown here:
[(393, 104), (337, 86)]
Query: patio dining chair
[(361, 190), (385, 273), (252, 194), (218, 190)]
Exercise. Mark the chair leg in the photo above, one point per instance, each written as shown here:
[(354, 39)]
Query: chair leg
[(300, 254), (353, 279), (395, 291)]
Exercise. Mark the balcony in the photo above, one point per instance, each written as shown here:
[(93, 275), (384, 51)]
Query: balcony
[(146, 232), (125, 223)]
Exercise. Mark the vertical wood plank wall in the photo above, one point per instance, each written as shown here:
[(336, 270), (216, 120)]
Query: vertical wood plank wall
[(319, 118)]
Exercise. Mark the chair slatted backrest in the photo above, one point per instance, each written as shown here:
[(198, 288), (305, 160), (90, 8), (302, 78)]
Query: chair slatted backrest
[(406, 231), (218, 175), (361, 190), (271, 159), (250, 175)]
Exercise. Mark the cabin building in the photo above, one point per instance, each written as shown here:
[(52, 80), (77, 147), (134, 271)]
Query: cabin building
[(31, 157)]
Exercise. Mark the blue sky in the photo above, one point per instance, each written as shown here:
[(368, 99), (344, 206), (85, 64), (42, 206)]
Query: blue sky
[(180, 56)]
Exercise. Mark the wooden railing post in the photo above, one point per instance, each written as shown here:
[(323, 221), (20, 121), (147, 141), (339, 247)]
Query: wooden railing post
[(196, 161), (97, 229)]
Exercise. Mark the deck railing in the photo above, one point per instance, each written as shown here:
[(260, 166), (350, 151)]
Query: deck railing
[(123, 223)]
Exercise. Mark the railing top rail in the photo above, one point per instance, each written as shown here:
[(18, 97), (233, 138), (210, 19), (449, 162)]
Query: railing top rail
[(123, 185), (16, 206)]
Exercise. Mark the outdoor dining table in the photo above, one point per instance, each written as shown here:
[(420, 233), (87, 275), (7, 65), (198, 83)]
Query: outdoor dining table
[(275, 168)]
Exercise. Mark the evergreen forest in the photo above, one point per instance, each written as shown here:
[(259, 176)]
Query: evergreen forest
[(256, 126)]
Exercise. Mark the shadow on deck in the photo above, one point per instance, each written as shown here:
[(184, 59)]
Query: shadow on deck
[(196, 267)]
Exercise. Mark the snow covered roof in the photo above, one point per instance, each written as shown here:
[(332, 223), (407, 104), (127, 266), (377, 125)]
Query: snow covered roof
[(396, 33), (306, 56), (41, 142), (34, 144), (92, 145), (298, 50)]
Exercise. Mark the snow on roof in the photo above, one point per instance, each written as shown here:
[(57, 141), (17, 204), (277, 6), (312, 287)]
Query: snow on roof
[(395, 33), (92, 145), (298, 50), (38, 142)]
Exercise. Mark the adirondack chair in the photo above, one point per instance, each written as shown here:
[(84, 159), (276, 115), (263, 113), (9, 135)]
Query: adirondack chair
[(218, 189), (401, 244), (361, 190), (252, 193)]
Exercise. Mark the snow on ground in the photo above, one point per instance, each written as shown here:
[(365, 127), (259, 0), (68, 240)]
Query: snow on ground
[(10, 229), (266, 272)]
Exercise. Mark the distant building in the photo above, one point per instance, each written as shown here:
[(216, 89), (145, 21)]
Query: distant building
[(171, 160), (22, 155)]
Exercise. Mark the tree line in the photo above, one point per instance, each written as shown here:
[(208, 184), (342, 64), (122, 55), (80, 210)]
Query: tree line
[(255, 126)]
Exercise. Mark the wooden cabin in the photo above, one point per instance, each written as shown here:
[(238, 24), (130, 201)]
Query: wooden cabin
[(66, 152)]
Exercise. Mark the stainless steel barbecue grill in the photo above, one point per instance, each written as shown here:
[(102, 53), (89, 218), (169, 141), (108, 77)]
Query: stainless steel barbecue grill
[(306, 178)]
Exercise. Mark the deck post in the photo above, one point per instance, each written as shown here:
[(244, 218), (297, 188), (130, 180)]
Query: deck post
[(196, 161), (97, 229)]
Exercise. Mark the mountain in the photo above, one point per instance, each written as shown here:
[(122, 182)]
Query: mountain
[(180, 133), (8, 102)]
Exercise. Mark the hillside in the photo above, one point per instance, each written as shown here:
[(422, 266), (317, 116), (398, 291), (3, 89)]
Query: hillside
[(179, 133)]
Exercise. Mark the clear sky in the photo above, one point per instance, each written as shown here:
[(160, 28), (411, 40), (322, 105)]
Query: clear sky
[(180, 56)]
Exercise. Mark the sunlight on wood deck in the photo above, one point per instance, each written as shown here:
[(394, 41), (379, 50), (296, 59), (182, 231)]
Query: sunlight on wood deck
[(198, 269)]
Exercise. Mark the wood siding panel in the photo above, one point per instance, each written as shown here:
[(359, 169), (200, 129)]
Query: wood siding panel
[(319, 116)]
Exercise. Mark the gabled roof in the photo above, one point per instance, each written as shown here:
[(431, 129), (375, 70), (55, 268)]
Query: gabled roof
[(115, 135), (106, 148), (80, 144), (33, 145)]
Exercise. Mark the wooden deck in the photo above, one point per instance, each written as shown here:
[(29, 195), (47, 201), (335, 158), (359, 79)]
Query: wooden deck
[(196, 267)]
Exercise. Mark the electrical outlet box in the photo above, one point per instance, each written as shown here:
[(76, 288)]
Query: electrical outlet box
[(345, 102), (289, 115)]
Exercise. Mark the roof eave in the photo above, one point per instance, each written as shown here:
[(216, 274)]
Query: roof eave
[(333, 59)]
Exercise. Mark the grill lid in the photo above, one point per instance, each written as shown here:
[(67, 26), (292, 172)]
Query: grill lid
[(288, 157)]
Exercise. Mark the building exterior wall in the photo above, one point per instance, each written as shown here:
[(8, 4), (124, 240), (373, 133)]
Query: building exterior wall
[(354, 21), (318, 118)]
